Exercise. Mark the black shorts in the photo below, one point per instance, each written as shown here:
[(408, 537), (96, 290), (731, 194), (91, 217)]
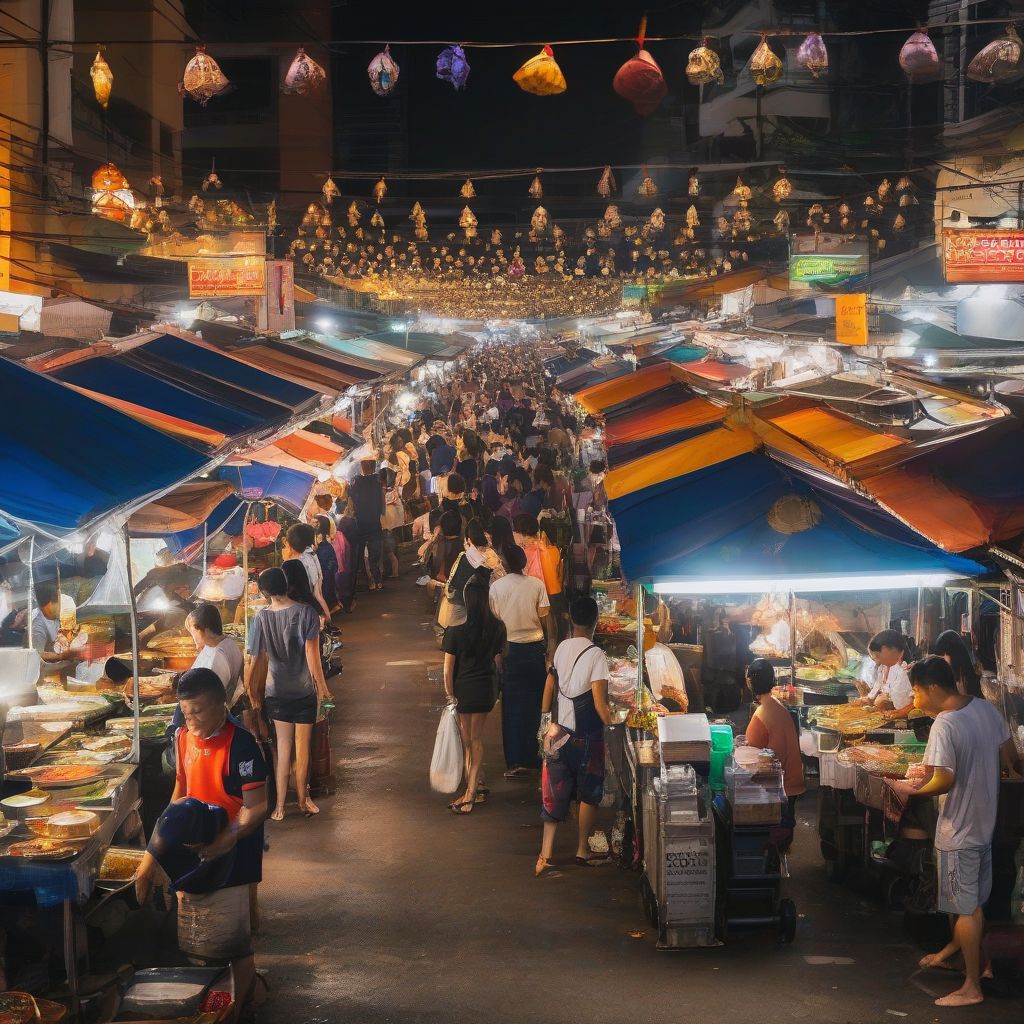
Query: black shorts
[(296, 710)]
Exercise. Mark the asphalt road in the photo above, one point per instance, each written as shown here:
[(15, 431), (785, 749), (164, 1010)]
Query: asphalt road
[(388, 908)]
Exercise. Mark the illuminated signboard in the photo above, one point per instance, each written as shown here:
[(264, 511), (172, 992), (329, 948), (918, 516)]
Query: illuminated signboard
[(226, 277), (826, 259), (975, 255)]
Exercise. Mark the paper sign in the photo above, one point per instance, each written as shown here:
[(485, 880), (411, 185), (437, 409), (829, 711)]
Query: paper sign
[(852, 319)]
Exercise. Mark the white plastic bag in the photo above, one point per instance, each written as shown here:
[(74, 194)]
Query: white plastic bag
[(446, 764)]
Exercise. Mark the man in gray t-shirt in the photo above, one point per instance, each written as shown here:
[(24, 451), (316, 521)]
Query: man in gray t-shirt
[(968, 748)]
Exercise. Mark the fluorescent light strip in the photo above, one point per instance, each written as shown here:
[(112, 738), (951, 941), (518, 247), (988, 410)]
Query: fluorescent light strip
[(799, 584)]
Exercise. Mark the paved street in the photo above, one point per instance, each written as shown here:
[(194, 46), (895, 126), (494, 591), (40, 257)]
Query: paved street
[(389, 909)]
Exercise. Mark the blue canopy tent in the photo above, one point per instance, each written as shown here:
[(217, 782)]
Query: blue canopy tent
[(259, 482), (228, 516), (713, 528), (67, 461)]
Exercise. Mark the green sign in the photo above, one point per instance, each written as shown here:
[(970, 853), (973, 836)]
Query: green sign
[(825, 268)]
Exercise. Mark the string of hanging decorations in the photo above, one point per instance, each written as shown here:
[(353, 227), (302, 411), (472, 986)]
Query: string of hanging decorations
[(640, 80)]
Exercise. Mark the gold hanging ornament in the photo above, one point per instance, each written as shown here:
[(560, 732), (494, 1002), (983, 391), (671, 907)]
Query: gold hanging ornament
[(899, 223), (606, 186), (781, 222), (765, 66), (703, 66), (468, 222), (903, 184), (212, 181), (742, 192), (612, 218), (203, 78), (467, 191), (998, 61), (647, 187), (353, 215), (536, 190), (884, 189), (908, 199), (102, 79), (783, 188), (693, 187), (380, 190), (376, 221), (330, 190)]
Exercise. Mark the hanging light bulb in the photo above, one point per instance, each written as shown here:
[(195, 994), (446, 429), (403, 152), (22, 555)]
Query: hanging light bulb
[(783, 188), (102, 79), (203, 78), (693, 187), (607, 185), (467, 191), (536, 190), (380, 190), (812, 55), (330, 190)]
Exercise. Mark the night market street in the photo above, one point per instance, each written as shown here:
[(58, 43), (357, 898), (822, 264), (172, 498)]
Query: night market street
[(390, 909)]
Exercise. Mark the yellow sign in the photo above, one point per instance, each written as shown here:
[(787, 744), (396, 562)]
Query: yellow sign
[(226, 276), (852, 319)]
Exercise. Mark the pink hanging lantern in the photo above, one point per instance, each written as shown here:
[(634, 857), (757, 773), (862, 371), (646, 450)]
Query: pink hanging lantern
[(812, 55), (919, 59), (640, 80)]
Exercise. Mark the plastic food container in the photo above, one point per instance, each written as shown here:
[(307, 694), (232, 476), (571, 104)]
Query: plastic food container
[(30, 804)]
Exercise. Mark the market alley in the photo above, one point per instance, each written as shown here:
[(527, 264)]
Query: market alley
[(388, 908)]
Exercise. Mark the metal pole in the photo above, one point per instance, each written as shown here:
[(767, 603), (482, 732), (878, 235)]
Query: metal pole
[(133, 614), (918, 624), (31, 597), (639, 646), (44, 64), (792, 638)]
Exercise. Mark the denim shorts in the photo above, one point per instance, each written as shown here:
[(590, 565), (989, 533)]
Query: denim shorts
[(965, 879)]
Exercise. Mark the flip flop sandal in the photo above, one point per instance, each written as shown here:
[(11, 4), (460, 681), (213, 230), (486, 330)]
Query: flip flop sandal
[(517, 773), (457, 808), (481, 795)]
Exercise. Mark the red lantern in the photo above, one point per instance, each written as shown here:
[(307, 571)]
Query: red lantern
[(640, 80)]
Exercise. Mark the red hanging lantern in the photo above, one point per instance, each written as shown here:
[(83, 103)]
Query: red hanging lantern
[(640, 80)]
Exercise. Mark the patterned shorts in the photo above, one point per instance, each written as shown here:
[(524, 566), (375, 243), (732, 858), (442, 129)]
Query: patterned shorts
[(575, 774)]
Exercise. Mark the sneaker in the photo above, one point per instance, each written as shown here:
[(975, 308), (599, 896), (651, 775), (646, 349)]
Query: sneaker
[(423, 581)]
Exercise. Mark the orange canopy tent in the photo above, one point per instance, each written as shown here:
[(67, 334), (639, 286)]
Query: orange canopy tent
[(599, 397), (311, 448)]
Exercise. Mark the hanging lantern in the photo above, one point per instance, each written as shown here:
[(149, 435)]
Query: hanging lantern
[(781, 222), (693, 188), (453, 67), (647, 187), (742, 192), (869, 202), (612, 217), (467, 191), (640, 80), (212, 181), (330, 190), (899, 223), (884, 189), (203, 78), (383, 72), (536, 190), (903, 184), (692, 218), (908, 199), (376, 221), (844, 209), (541, 75), (741, 222), (703, 66), (468, 222), (417, 212), (304, 76), (102, 79), (783, 188), (998, 61), (919, 59), (607, 185), (812, 55), (353, 215), (380, 190), (765, 66), (539, 221), (112, 196)]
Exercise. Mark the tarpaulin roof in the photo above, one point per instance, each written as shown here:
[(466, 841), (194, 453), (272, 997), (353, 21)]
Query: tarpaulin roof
[(331, 381), (228, 516), (381, 352), (257, 482), (66, 461), (582, 377), (715, 524), (363, 368), (138, 393), (831, 434), (599, 397), (649, 422), (200, 359), (311, 448), (184, 508), (716, 371)]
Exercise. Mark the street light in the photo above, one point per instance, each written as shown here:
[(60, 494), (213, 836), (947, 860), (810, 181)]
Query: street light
[(324, 323)]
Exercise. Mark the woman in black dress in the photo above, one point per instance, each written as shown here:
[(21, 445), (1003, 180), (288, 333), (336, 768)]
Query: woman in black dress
[(472, 659)]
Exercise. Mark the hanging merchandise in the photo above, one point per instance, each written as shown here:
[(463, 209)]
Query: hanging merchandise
[(539, 221), (203, 78), (612, 217), (908, 199), (541, 75), (376, 221), (765, 66), (380, 190), (742, 192), (704, 66), (998, 61), (330, 190), (607, 185), (453, 67), (647, 187), (353, 215), (741, 222), (467, 191), (212, 181), (781, 222), (812, 55), (692, 218), (383, 72), (304, 76), (536, 190), (783, 188), (903, 184), (468, 222), (919, 59), (884, 189), (693, 187), (102, 79), (899, 223), (640, 80)]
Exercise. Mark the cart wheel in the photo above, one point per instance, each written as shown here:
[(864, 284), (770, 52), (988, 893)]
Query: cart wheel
[(787, 921), (836, 868)]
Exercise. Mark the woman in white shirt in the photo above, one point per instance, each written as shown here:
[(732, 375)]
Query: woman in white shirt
[(891, 690)]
